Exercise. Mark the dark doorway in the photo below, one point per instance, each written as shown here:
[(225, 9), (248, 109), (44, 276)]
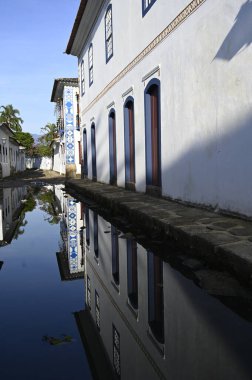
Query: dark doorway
[(93, 151), (85, 157), (112, 148), (153, 137), (129, 144)]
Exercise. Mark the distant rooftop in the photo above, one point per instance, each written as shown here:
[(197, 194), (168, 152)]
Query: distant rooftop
[(59, 85)]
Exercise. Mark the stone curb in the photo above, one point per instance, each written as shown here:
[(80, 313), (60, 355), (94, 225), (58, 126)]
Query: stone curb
[(223, 241)]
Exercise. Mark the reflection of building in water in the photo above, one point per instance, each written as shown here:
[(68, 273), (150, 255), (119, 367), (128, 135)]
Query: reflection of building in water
[(10, 208), (148, 320), (70, 257)]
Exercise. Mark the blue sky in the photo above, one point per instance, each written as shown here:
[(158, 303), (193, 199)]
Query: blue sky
[(33, 36)]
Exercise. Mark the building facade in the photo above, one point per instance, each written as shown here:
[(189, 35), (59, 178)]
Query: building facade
[(12, 154), (66, 146), (165, 97)]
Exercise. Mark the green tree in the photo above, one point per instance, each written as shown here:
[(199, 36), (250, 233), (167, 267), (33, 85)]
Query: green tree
[(25, 139), (10, 116), (50, 132)]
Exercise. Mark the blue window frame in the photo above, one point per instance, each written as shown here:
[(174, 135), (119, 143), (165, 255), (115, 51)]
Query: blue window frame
[(90, 64), (146, 6), (82, 78), (108, 33)]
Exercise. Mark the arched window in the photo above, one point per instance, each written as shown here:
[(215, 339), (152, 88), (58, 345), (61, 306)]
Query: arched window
[(90, 64), (108, 33), (129, 143), (82, 78)]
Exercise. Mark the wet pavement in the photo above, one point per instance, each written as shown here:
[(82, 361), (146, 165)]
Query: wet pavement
[(225, 241)]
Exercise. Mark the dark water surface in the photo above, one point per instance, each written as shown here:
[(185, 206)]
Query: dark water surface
[(34, 302), (82, 292)]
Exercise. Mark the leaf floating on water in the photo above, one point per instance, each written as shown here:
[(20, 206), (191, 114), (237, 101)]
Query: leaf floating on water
[(53, 341)]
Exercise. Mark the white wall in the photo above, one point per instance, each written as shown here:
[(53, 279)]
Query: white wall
[(206, 95)]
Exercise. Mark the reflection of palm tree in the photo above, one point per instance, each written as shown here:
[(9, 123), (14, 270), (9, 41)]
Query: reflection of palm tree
[(10, 116)]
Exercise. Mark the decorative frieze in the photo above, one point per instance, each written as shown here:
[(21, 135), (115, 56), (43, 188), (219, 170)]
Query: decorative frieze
[(193, 6)]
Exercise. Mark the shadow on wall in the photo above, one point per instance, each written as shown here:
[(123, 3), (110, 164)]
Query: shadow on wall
[(216, 170), (240, 35)]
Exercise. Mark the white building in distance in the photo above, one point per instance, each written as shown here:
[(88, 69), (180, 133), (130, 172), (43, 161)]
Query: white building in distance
[(12, 154), (165, 97), (67, 151)]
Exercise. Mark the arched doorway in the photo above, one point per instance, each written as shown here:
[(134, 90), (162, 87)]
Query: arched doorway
[(85, 156), (129, 143), (153, 137), (93, 151), (112, 148)]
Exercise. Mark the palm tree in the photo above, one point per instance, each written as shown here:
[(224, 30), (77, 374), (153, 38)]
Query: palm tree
[(10, 116)]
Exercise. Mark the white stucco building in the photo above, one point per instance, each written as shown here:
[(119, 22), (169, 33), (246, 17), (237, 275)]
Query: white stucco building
[(12, 154), (165, 97), (67, 151)]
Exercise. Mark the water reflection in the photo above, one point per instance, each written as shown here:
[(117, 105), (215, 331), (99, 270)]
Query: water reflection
[(145, 320), (12, 204), (71, 255)]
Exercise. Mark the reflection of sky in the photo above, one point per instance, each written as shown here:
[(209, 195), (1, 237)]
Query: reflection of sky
[(34, 302)]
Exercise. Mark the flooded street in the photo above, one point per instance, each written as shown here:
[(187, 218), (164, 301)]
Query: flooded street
[(84, 296)]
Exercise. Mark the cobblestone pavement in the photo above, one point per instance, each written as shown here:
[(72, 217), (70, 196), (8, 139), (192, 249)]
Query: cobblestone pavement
[(31, 175), (224, 241)]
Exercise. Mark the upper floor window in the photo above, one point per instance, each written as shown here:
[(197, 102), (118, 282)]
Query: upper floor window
[(90, 64), (108, 33), (146, 5), (82, 79)]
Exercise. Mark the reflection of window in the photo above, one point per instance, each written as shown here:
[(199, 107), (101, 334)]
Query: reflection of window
[(108, 33), (87, 225), (116, 352), (155, 296), (115, 255), (97, 310), (96, 248), (132, 272), (146, 5), (88, 292), (90, 64)]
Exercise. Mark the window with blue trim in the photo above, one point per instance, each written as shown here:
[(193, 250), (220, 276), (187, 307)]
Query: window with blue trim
[(146, 5), (90, 64), (108, 33), (82, 78)]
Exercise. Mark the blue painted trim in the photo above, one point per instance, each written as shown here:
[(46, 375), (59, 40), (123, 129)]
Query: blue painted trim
[(91, 81), (127, 139), (145, 10), (148, 138), (93, 152), (106, 50)]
